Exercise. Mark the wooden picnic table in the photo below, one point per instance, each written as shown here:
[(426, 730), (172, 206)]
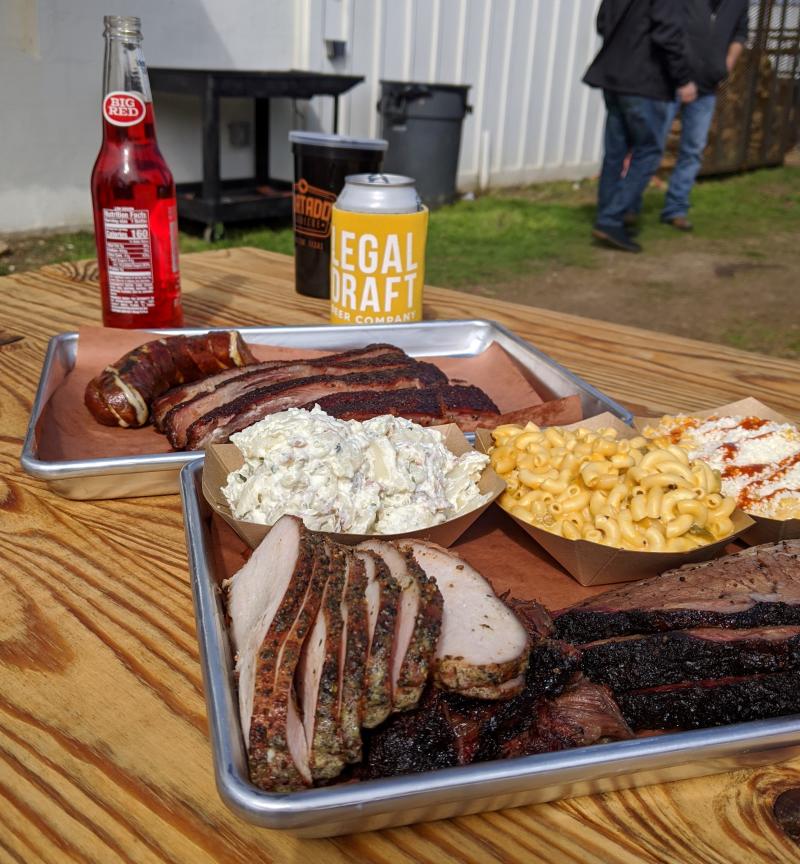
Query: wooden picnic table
[(104, 754)]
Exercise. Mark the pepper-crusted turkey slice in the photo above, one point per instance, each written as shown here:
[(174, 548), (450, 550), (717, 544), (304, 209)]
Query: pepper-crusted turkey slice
[(283, 586), (482, 644), (318, 672), (418, 624), (353, 656), (383, 598)]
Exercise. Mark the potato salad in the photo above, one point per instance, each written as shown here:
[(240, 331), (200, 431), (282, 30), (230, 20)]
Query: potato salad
[(386, 475)]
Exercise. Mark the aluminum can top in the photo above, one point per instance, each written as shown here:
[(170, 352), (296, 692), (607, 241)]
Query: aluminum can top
[(379, 193)]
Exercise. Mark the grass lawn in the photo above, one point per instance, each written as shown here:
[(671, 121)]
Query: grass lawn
[(532, 245)]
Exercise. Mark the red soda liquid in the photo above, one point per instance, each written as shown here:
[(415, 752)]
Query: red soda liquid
[(136, 227)]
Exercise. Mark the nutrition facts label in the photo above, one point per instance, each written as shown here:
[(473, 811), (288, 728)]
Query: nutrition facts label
[(130, 262)]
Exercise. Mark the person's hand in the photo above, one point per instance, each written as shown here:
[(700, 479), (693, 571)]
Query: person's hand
[(687, 93)]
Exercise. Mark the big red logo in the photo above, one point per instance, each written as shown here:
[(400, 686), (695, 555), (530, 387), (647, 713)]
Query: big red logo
[(123, 109)]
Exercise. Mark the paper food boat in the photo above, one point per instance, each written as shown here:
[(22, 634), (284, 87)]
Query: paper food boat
[(764, 530), (221, 459), (596, 564)]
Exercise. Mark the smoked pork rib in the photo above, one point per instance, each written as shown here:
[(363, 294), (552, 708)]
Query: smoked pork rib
[(382, 596), (318, 677), (697, 704), (186, 392), (217, 425), (758, 587), (631, 662), (482, 645), (181, 417), (418, 625), (465, 405), (353, 658)]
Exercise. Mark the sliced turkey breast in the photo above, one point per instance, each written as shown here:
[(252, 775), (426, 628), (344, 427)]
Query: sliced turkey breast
[(318, 673), (482, 643), (383, 598), (353, 660), (417, 627), (258, 588), (267, 659)]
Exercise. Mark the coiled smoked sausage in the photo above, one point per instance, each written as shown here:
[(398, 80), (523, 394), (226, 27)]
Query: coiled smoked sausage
[(122, 393)]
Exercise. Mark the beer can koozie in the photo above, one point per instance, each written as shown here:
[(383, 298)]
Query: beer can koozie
[(321, 164), (378, 233)]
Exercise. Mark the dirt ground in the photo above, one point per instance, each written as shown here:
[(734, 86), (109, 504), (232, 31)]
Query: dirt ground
[(706, 290)]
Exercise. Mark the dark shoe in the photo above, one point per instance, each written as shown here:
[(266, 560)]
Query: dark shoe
[(617, 238), (679, 222), (631, 223)]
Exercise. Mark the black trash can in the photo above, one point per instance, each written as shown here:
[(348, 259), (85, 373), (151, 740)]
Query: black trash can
[(422, 123)]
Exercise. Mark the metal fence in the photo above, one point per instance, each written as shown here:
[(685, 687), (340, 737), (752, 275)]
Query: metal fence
[(758, 108)]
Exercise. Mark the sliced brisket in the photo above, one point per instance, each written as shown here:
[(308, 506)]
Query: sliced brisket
[(181, 417), (693, 705), (177, 395), (630, 662), (584, 713), (447, 729), (186, 392), (759, 587), (467, 406), (217, 425)]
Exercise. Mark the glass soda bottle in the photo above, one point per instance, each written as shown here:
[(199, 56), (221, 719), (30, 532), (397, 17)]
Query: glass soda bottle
[(133, 194)]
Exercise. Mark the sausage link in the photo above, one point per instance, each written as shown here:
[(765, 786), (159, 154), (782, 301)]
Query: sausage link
[(122, 393)]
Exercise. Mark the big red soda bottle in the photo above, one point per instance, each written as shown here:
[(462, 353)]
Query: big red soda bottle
[(133, 194)]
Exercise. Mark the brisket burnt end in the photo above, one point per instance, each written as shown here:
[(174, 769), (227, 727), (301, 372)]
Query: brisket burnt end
[(447, 729)]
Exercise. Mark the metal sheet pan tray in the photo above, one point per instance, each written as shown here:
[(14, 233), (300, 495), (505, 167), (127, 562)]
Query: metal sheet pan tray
[(450, 792), (157, 473)]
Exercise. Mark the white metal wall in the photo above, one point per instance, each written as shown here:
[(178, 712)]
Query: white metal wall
[(524, 60)]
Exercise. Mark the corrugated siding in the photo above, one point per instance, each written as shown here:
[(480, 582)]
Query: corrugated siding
[(523, 59)]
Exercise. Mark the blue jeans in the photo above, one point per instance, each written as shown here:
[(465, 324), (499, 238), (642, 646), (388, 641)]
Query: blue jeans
[(634, 125), (695, 122)]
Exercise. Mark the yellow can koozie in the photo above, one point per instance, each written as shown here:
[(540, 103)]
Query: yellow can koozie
[(377, 266)]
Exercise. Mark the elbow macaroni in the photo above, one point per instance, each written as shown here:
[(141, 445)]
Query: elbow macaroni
[(629, 493)]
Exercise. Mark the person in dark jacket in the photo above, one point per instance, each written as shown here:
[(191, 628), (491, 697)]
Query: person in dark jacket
[(642, 65), (716, 33)]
